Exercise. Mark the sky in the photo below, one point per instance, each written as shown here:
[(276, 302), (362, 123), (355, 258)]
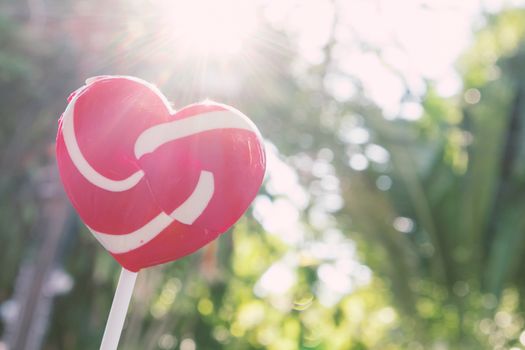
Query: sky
[(407, 41)]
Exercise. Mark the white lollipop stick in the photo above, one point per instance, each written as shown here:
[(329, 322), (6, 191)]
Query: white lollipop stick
[(118, 311)]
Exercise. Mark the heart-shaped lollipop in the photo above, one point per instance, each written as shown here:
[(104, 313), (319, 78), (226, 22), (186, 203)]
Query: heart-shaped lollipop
[(154, 185)]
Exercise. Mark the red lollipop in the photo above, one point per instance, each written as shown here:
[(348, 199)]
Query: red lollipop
[(152, 184)]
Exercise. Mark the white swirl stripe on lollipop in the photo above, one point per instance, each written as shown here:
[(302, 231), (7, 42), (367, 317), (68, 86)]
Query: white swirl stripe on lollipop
[(186, 213), (147, 142)]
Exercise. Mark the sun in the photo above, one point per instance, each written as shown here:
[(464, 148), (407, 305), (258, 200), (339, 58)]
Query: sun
[(216, 29)]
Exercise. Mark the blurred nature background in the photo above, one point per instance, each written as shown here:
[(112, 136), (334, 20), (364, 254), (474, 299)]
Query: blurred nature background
[(393, 211)]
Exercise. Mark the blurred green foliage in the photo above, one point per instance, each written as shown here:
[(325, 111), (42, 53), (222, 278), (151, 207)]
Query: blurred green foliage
[(440, 224)]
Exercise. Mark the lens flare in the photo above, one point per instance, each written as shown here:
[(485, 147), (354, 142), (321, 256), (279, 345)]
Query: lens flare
[(210, 28)]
